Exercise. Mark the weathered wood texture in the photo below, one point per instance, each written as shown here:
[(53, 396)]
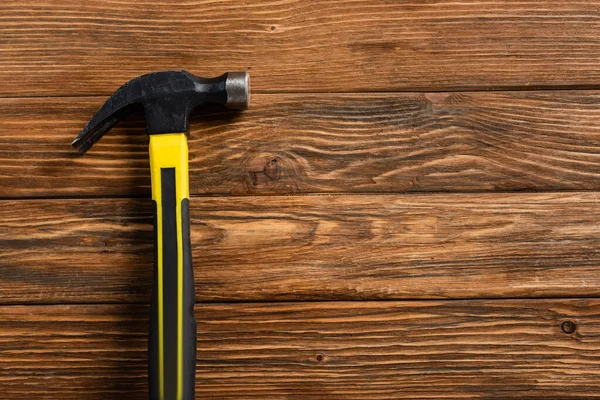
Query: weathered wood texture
[(361, 350), (309, 247), (74, 47), (547, 140)]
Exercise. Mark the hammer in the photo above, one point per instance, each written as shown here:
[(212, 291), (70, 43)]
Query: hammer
[(168, 98)]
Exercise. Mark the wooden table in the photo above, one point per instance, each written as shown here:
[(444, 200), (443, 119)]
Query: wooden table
[(408, 210)]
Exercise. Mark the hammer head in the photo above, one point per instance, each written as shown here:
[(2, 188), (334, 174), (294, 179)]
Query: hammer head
[(168, 99)]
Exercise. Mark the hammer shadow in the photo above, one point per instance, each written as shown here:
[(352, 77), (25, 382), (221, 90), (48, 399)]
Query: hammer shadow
[(129, 350), (129, 341), (131, 140), (212, 115), (118, 163)]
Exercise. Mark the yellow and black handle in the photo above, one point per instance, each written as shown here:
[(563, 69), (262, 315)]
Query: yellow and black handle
[(172, 340)]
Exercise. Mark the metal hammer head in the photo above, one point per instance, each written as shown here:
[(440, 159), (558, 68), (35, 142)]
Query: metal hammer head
[(168, 99)]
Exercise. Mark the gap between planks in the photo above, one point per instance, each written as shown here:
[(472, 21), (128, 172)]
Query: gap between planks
[(422, 90), (329, 194), (324, 301)]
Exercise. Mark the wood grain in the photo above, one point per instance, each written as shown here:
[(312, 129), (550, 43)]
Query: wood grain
[(354, 350), (309, 247), (509, 141), (70, 47)]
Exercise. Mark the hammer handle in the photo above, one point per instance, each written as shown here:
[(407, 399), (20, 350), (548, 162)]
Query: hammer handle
[(172, 336)]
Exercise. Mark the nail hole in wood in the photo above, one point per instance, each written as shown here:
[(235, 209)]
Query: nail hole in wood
[(568, 327)]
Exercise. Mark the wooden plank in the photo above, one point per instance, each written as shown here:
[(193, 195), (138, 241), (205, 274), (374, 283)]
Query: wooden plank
[(507, 141), (309, 247), (73, 47), (355, 350)]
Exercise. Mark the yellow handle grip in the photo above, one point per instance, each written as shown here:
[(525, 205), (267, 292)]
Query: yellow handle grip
[(172, 339)]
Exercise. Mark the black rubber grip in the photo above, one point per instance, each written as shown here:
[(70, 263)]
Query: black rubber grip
[(170, 324)]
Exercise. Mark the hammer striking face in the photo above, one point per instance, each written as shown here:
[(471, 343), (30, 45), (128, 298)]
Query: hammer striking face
[(168, 99)]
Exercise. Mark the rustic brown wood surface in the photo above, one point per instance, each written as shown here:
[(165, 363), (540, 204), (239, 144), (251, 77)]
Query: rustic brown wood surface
[(309, 247), (320, 143), (74, 47), (476, 209), (354, 350)]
